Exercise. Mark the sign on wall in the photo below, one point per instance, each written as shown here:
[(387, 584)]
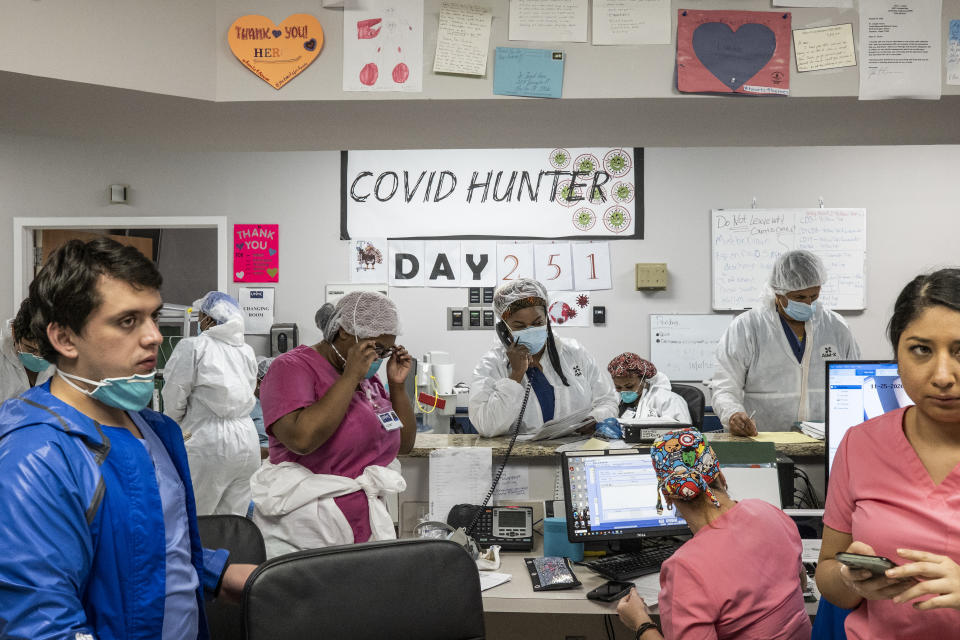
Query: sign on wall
[(257, 306), (563, 193), (276, 53), (256, 253)]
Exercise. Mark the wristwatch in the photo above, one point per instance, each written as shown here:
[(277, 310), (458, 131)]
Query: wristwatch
[(646, 626)]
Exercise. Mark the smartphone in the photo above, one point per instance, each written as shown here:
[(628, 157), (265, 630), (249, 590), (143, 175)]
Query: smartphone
[(876, 565), (504, 332), (610, 591)]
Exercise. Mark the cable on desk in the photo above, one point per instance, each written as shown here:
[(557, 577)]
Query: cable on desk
[(608, 627)]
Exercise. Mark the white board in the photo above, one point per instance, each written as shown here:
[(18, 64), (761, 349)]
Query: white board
[(747, 242), (683, 346)]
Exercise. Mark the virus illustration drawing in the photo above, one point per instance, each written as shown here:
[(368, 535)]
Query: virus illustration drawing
[(560, 312), (559, 158), (565, 193), (583, 300), (623, 192), (584, 219), (616, 219), (617, 163), (586, 163)]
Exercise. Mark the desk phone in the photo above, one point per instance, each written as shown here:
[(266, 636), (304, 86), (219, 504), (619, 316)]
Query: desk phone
[(509, 527)]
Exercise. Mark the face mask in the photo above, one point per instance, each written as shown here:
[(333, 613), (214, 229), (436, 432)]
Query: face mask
[(533, 338), (372, 371), (32, 362), (629, 397), (130, 393), (800, 311)]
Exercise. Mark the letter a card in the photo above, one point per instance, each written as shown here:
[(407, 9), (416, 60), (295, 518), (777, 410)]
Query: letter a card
[(256, 253), (733, 52)]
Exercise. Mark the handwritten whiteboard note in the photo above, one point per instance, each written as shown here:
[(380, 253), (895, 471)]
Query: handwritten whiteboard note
[(463, 39), (747, 242), (684, 346), (824, 48)]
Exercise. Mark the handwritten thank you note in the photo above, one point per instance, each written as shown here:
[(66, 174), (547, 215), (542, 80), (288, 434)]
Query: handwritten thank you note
[(276, 53)]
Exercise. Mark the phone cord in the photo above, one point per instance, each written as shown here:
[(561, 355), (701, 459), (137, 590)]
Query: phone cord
[(503, 465)]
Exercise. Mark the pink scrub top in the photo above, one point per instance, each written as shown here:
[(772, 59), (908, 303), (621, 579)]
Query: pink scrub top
[(738, 577), (881, 494), (299, 378)]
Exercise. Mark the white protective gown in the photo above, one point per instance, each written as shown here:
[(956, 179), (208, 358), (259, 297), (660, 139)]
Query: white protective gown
[(13, 377), (659, 401), (759, 373), (208, 388), (495, 399)]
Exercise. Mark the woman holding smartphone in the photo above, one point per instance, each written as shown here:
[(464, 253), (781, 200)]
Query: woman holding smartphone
[(563, 375), (895, 483)]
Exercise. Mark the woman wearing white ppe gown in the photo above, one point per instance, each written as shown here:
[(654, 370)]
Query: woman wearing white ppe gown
[(208, 388), (771, 371), (563, 376), (644, 391), (21, 366)]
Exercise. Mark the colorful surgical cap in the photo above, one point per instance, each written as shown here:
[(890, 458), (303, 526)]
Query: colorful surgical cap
[(519, 294), (685, 466), (630, 364)]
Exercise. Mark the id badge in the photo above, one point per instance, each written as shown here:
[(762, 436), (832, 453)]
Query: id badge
[(389, 420)]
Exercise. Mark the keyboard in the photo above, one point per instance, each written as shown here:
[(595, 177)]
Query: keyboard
[(625, 566)]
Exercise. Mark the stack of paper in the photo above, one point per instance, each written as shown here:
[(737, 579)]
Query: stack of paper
[(813, 429)]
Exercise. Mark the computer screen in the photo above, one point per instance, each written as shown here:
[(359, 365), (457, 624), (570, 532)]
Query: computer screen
[(612, 495), (858, 390)]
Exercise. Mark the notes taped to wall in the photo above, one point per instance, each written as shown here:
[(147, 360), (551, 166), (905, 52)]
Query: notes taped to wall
[(747, 242), (683, 346)]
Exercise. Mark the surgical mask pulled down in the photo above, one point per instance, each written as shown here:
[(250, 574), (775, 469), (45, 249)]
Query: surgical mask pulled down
[(800, 311), (32, 361), (533, 338), (129, 393)]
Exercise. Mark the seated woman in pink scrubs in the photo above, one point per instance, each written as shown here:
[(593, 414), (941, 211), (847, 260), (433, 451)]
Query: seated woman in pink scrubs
[(739, 576), (895, 483), (334, 431)]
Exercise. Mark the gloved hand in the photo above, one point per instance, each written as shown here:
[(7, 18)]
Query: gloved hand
[(609, 428)]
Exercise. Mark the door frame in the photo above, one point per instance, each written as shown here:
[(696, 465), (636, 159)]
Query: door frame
[(23, 229)]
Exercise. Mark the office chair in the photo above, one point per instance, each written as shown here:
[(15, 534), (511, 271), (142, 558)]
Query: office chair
[(244, 541), (695, 401), (415, 588)]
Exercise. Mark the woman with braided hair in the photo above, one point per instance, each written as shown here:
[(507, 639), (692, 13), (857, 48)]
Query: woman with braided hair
[(562, 374)]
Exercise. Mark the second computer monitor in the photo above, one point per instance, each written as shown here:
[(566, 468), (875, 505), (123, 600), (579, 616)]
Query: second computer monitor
[(612, 495)]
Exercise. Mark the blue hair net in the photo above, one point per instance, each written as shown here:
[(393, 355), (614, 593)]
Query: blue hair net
[(219, 306)]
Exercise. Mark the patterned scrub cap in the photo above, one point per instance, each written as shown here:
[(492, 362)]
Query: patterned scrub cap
[(519, 294), (685, 466), (630, 364)]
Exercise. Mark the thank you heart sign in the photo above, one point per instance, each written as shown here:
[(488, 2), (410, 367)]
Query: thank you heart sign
[(256, 254), (733, 52), (276, 52)]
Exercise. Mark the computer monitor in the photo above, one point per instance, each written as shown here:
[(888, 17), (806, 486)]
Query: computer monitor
[(612, 495), (858, 390)]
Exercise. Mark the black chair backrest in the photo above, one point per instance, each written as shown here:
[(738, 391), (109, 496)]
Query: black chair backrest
[(423, 589), (245, 543), (695, 401)]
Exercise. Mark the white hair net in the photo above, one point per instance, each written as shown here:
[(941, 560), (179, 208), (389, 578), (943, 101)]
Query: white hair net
[(364, 314), (219, 306), (796, 270), (263, 364), (517, 290)]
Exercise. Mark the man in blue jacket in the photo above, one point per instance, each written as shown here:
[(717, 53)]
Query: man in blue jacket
[(98, 529)]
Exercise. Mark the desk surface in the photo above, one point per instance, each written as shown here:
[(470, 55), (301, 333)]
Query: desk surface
[(427, 442)]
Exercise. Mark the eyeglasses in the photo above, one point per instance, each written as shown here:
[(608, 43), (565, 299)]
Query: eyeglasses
[(384, 352)]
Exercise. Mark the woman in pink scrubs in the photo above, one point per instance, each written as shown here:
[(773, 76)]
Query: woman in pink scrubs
[(739, 577), (895, 483), (334, 431)]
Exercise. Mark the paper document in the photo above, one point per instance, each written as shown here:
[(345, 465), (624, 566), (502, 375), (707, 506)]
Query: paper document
[(458, 475), (782, 437), (824, 47), (648, 587), (548, 20), (839, 4), (900, 49), (632, 22), (811, 549), (514, 483), (383, 45), (559, 427), (490, 579), (953, 53), (463, 39), (535, 73)]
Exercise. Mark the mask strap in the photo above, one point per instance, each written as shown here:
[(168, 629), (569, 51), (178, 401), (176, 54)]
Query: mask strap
[(66, 378)]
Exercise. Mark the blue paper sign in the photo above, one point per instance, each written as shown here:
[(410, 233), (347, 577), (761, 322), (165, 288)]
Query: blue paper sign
[(537, 73)]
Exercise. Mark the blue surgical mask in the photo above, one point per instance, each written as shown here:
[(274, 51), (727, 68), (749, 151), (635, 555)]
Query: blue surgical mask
[(629, 397), (533, 338), (372, 371), (130, 393), (800, 311), (32, 361)]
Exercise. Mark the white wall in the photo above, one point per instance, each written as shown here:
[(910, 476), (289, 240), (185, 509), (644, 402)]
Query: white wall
[(908, 193), (179, 47)]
